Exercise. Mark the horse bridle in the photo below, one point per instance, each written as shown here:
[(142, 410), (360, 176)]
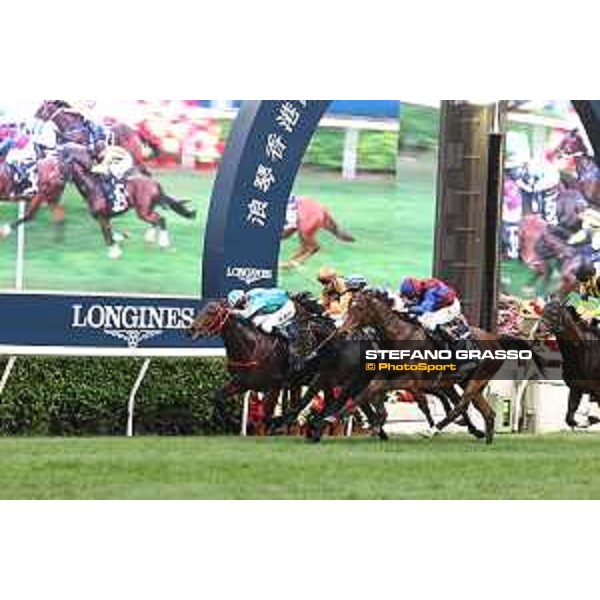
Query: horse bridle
[(218, 322)]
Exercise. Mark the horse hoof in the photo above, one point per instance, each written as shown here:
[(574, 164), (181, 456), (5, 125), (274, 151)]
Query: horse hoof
[(164, 241), (383, 436), (119, 238), (289, 265), (479, 435), (115, 253), (430, 433), (5, 231), (150, 236)]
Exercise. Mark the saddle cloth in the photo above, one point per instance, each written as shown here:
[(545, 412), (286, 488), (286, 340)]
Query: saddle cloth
[(116, 194), (25, 178)]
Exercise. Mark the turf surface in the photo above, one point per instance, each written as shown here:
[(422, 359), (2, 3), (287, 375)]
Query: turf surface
[(393, 224), (453, 467)]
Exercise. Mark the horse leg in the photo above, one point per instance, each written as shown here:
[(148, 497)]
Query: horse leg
[(594, 398), (59, 219), (375, 418), (309, 247), (423, 404), (158, 223), (335, 409), (488, 414), (367, 395), (381, 416), (574, 403), (452, 396), (32, 209), (270, 401), (474, 387), (114, 250), (220, 417)]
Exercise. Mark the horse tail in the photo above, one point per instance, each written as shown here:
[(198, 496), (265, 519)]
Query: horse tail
[(333, 228), (510, 342), (177, 206)]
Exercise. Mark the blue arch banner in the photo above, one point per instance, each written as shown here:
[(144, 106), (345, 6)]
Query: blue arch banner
[(250, 196)]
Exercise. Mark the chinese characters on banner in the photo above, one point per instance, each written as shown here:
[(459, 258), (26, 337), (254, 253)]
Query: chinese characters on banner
[(289, 114)]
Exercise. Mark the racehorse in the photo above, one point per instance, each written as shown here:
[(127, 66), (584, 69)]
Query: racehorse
[(368, 308), (579, 345), (143, 193), (588, 171), (257, 361), (311, 217), (546, 247), (51, 183), (339, 364), (73, 127)]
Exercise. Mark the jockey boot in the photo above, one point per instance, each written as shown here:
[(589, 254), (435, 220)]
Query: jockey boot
[(441, 338), (291, 334), (466, 366)]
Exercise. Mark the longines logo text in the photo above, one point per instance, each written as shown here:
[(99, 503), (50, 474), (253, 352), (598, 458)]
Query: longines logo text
[(133, 324), (249, 275)]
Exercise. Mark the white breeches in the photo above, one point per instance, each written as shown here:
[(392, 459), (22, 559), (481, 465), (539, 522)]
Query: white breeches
[(269, 322), (22, 155), (432, 321)]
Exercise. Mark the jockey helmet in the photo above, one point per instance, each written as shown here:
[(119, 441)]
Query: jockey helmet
[(409, 287), (235, 298), (326, 275), (585, 271), (355, 283)]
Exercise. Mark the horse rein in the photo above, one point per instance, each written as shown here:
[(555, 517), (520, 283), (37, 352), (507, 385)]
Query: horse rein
[(216, 327)]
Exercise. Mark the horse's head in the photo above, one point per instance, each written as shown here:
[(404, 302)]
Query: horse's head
[(307, 302), (48, 110), (557, 314), (210, 321), (368, 307)]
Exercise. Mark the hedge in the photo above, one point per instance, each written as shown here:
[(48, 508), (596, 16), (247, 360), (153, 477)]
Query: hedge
[(88, 396), (377, 150)]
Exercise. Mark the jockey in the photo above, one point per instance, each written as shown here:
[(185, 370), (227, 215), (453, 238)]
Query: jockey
[(335, 298), (433, 302), (356, 283), (588, 280), (586, 300), (82, 107), (45, 136), (291, 215), (85, 109), (116, 163), (272, 311), (22, 158)]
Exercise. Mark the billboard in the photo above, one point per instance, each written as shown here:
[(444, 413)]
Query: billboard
[(119, 249)]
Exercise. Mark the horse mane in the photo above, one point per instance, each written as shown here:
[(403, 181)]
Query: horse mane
[(55, 104), (309, 303), (587, 331), (381, 295)]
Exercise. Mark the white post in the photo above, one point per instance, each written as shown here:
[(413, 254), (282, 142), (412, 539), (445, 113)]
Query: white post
[(245, 414), (20, 266), (6, 375), (350, 426), (19, 284), (351, 153), (133, 396)]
